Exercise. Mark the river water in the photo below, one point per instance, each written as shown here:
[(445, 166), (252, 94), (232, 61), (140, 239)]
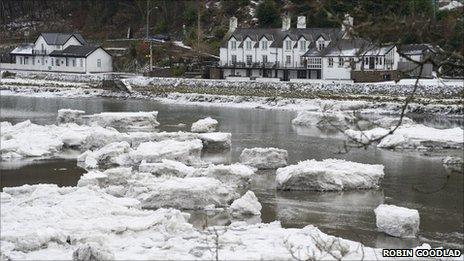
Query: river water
[(412, 180)]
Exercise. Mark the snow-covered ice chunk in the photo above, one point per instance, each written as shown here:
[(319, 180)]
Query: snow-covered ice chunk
[(264, 158), (187, 152), (124, 120), (247, 205), (92, 178), (167, 168), (397, 221), (204, 125), (318, 118), (187, 193), (216, 140), (329, 174), (70, 116), (455, 164), (92, 251), (391, 122), (112, 154), (236, 175)]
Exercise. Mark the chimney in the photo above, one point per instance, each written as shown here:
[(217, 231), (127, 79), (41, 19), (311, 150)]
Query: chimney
[(285, 22), (301, 23), (347, 25), (233, 23)]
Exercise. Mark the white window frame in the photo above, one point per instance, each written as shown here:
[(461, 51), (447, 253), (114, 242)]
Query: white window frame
[(249, 59), (81, 63), (340, 61), (288, 59), (233, 45), (264, 45), (248, 45), (288, 45), (331, 62), (99, 63), (264, 58), (233, 58), (302, 45)]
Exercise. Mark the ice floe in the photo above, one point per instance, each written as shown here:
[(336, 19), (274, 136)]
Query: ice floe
[(204, 125), (264, 158), (397, 221), (455, 164), (113, 154), (70, 116), (216, 140), (235, 175), (391, 122), (247, 205), (167, 168), (329, 174), (318, 118), (124, 120)]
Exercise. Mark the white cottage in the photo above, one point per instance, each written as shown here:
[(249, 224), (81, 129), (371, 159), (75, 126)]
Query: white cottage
[(60, 52)]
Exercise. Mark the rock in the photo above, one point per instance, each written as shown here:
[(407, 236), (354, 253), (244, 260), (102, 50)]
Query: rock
[(247, 205), (69, 116), (204, 125), (317, 118), (397, 221), (124, 120), (92, 252), (187, 152), (167, 168), (264, 158), (329, 174), (216, 140), (455, 164)]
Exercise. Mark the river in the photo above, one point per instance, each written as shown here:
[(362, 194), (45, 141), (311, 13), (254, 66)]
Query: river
[(412, 179)]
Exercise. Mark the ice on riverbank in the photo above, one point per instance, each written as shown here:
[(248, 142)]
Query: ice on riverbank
[(124, 120), (329, 174), (412, 137), (455, 164), (264, 158), (69, 116), (318, 118), (391, 122), (205, 125), (247, 205), (397, 221)]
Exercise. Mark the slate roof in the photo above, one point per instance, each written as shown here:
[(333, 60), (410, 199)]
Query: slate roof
[(75, 51), (348, 47), (61, 38), (277, 35), (411, 49), (25, 49)]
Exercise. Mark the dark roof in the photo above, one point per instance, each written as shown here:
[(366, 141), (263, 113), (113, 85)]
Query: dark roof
[(61, 38), (277, 35), (75, 51), (348, 47), (418, 48)]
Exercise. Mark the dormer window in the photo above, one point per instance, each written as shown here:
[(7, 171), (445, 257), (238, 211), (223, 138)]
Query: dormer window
[(321, 45), (264, 45), (302, 45), (248, 45), (233, 45), (288, 45)]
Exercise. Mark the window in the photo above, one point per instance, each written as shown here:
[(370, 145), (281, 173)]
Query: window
[(26, 60), (80, 61), (249, 59), (264, 45), (20, 60), (315, 63), (248, 45), (38, 61), (264, 58), (234, 58), (57, 62), (43, 48), (302, 60), (376, 60), (288, 45), (331, 62), (52, 61), (288, 59), (99, 63), (302, 45), (74, 62), (366, 61), (380, 60), (33, 61), (67, 62), (340, 61), (233, 45), (321, 45)]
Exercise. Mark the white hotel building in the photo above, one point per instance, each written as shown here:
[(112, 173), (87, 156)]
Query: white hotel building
[(303, 53)]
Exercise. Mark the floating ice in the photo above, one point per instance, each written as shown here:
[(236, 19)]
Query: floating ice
[(112, 154), (167, 168), (397, 221), (391, 122), (264, 158), (329, 174), (187, 152), (204, 125), (236, 175), (216, 140), (455, 164), (124, 120), (247, 205), (326, 118), (70, 116)]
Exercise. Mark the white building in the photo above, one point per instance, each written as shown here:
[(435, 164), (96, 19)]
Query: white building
[(303, 53), (60, 52)]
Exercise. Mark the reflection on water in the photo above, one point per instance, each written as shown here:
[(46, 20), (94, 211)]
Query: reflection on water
[(411, 179)]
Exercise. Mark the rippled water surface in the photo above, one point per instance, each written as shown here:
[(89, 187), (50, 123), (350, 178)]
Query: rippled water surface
[(412, 180)]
